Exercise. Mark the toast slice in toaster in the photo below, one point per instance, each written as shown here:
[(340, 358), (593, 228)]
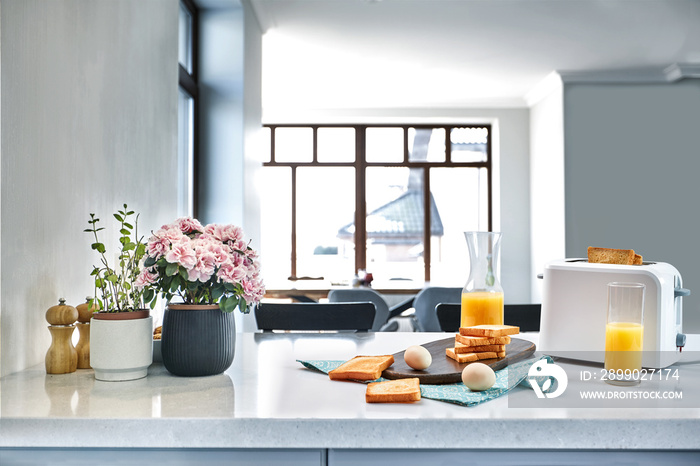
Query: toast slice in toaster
[(611, 256)]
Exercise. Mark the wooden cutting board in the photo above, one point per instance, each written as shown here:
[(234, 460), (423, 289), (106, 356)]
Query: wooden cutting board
[(444, 370)]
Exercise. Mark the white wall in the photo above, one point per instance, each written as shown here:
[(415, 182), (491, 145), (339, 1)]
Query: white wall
[(511, 140), (546, 180), (632, 174), (88, 122)]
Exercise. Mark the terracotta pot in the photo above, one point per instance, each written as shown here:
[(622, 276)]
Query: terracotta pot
[(198, 340), (121, 345)]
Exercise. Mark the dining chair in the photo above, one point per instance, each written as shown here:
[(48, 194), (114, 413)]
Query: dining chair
[(358, 316), (425, 302), (385, 313), (525, 316), (354, 295)]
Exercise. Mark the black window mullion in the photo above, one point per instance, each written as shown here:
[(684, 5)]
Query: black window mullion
[(188, 82)]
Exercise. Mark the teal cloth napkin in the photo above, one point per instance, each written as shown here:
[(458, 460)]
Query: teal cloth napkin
[(457, 393)]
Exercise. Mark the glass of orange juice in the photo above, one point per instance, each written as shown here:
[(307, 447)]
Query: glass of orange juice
[(624, 333), (482, 296)]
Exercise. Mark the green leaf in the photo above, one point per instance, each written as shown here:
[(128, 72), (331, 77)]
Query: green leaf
[(125, 232), (128, 225), (112, 278), (217, 292), (119, 217), (175, 283), (149, 262), (171, 269)]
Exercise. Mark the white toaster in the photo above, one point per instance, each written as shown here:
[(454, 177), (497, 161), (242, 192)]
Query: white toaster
[(574, 309)]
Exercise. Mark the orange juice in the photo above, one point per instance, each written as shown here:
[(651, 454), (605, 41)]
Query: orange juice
[(482, 307), (623, 346)]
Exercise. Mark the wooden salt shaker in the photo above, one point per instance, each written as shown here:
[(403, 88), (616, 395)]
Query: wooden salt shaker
[(61, 357), (83, 347)]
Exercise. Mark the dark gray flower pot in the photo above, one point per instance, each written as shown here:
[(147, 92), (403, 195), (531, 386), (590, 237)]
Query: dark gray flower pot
[(197, 340)]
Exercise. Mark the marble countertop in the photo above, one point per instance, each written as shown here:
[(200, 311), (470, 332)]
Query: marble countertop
[(269, 400)]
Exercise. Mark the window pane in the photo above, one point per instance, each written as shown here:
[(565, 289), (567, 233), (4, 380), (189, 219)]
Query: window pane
[(469, 144), (395, 223), (185, 39), (384, 144), (461, 203), (426, 144), (294, 144), (276, 224), (325, 227), (336, 144), (185, 150)]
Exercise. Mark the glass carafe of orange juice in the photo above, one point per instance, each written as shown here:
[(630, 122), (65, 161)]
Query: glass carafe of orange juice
[(482, 296)]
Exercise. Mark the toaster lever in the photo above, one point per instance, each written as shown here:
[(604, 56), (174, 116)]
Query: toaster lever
[(681, 292), (680, 341)]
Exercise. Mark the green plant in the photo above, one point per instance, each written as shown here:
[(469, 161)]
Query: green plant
[(115, 287)]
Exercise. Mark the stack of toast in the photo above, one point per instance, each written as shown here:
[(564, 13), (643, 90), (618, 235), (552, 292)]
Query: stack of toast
[(614, 256), (481, 342)]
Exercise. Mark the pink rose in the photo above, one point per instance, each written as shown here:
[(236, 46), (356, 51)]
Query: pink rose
[(203, 268), (231, 233), (188, 225), (214, 230), (157, 247), (182, 254), (253, 291), (220, 253), (229, 273), (145, 278)]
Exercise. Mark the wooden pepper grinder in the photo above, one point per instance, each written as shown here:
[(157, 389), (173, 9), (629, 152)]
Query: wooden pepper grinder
[(61, 357), (83, 347)]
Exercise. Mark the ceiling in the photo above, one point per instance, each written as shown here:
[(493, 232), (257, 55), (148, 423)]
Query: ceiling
[(349, 54)]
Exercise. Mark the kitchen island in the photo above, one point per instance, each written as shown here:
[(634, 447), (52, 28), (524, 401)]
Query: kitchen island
[(268, 407)]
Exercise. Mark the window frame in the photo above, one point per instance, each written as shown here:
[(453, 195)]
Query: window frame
[(360, 164), (188, 83)]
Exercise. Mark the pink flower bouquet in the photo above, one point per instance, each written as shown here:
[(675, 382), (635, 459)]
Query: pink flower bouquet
[(202, 265)]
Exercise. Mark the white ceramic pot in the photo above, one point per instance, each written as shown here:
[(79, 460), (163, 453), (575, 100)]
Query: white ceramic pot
[(121, 349)]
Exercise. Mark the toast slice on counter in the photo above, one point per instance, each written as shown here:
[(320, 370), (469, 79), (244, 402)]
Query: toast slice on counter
[(468, 340), (393, 391), (489, 330), (460, 348), (362, 368), (612, 256)]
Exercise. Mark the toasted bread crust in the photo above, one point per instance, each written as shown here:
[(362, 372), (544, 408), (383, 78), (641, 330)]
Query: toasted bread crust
[(489, 330), (393, 391), (362, 368)]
